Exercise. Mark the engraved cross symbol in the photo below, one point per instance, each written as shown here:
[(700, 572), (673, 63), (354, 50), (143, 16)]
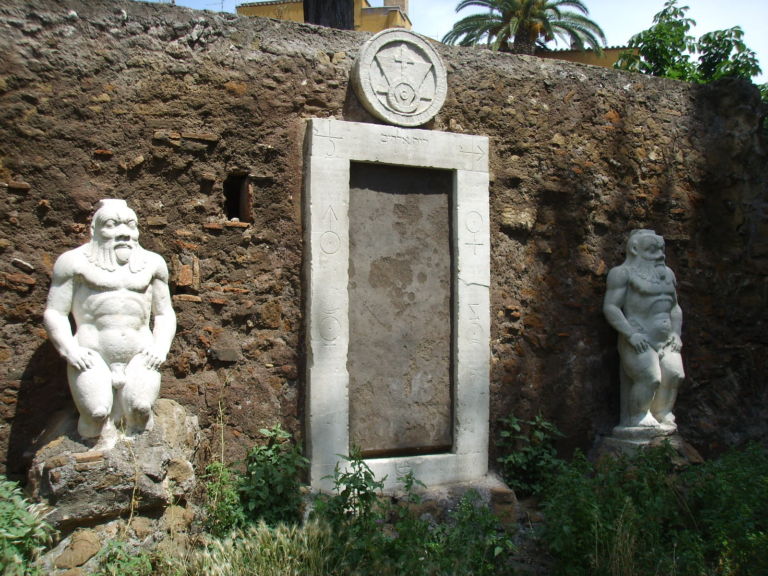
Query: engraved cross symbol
[(330, 137), (404, 60), (474, 244)]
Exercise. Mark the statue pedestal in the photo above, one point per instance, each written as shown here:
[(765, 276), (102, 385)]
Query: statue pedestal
[(628, 440), (147, 472)]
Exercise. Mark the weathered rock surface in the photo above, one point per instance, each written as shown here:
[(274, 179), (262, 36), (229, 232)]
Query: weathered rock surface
[(171, 108), (144, 473)]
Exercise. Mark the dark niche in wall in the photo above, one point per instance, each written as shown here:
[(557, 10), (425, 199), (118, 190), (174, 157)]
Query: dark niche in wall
[(238, 197)]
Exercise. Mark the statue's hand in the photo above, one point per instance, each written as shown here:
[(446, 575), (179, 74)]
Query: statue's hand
[(152, 359), (638, 342), (675, 343), (81, 358)]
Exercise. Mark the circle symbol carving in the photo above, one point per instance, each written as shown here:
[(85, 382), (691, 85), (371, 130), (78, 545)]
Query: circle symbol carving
[(329, 328), (400, 78), (330, 242), (474, 222)]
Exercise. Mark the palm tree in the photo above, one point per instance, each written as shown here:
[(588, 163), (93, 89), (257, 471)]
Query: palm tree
[(522, 26)]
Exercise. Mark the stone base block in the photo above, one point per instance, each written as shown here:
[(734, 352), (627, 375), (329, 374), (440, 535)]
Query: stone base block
[(628, 440), (147, 472)]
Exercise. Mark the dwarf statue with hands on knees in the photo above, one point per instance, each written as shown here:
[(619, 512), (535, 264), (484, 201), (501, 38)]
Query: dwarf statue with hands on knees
[(112, 287)]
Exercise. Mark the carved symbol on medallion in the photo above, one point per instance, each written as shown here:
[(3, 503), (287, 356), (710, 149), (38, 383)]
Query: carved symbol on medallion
[(474, 224), (330, 242), (399, 78), (328, 134)]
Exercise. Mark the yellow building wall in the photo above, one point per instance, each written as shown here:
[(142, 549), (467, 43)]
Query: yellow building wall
[(293, 11), (378, 19), (367, 19), (607, 60)]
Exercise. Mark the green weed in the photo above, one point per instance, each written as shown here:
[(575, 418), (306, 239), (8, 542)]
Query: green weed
[(23, 533), (529, 458)]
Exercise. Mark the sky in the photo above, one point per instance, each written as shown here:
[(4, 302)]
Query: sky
[(619, 19)]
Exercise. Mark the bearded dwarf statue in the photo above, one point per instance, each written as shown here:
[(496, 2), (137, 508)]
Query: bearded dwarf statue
[(111, 286), (641, 304)]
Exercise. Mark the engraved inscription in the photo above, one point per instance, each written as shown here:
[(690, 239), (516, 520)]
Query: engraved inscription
[(396, 137), (330, 144), (477, 151), (330, 327), (475, 332), (474, 224), (330, 241)]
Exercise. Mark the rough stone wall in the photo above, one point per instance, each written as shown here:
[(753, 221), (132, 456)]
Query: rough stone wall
[(161, 105)]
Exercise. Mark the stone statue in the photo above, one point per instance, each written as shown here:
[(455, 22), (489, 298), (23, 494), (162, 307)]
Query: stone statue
[(641, 304), (111, 286)]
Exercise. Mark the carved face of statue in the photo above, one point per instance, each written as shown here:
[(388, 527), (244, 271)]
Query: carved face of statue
[(115, 233), (118, 232), (650, 248)]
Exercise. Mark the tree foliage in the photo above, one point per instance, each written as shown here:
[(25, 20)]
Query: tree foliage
[(522, 26), (667, 49)]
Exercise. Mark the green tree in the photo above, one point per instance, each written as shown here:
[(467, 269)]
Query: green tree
[(523, 26), (667, 49)]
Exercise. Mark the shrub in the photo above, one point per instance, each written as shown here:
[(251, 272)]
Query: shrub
[(117, 558), (639, 516), (23, 534), (270, 488), (529, 458), (379, 536), (223, 509)]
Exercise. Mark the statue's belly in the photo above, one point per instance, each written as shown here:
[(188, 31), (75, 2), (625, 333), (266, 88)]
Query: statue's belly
[(117, 325)]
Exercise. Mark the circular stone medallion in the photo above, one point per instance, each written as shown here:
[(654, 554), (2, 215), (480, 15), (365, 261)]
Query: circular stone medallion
[(400, 78)]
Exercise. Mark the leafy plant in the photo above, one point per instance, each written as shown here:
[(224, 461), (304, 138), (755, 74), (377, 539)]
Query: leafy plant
[(23, 533), (382, 536), (223, 509), (117, 558), (666, 48), (356, 488), (640, 516), (472, 541), (270, 487), (522, 26), (529, 458)]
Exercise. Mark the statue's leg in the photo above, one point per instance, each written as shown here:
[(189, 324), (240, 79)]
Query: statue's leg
[(142, 387), (92, 393), (644, 378), (672, 375)]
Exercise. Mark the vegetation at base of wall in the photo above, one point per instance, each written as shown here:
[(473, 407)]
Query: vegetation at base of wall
[(23, 533), (528, 458), (641, 516), (355, 530), (223, 510), (667, 49), (257, 550), (118, 559), (621, 516), (268, 490), (378, 536)]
